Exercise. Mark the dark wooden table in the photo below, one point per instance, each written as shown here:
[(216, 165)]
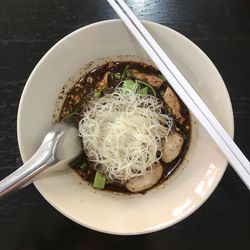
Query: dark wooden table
[(28, 28)]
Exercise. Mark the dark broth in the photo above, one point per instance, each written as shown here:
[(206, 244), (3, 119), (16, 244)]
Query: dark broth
[(79, 95)]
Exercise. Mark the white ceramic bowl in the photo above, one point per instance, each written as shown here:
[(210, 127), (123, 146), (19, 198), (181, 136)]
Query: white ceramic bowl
[(114, 213)]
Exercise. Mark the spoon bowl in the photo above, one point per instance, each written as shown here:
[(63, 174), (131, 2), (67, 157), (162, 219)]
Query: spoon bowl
[(60, 147)]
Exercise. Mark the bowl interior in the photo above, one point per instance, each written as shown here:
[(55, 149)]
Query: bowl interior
[(108, 212)]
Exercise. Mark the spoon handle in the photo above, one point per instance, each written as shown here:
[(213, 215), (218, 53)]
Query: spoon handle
[(43, 158)]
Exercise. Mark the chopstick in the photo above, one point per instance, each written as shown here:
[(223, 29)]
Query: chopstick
[(185, 91)]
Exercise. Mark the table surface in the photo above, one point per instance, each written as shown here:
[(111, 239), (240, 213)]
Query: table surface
[(28, 28)]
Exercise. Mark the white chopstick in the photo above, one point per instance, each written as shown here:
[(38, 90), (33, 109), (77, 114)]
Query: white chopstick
[(184, 90)]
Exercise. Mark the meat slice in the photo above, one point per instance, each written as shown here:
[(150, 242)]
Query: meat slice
[(104, 82), (172, 101), (147, 181), (172, 147), (153, 80)]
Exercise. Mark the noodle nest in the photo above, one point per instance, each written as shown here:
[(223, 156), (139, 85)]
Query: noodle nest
[(124, 133)]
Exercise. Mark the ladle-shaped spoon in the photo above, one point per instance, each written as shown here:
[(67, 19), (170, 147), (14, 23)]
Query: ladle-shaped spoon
[(60, 146)]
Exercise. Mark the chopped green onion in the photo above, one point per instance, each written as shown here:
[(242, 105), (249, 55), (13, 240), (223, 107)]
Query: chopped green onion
[(97, 94), (76, 112), (128, 73), (117, 75), (129, 85), (99, 181), (144, 91), (124, 73), (83, 166), (162, 93), (162, 77), (147, 85)]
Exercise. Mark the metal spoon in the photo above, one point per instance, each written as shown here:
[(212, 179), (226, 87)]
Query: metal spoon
[(60, 146)]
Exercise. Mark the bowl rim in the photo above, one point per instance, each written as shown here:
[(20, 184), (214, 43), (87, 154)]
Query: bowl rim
[(163, 225)]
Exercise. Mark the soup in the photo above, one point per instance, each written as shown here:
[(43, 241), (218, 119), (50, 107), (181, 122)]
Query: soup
[(135, 130)]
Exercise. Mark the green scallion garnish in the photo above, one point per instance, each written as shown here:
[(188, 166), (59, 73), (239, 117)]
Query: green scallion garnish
[(97, 94), (144, 91), (68, 116), (83, 166), (129, 85), (99, 181), (147, 85), (124, 73), (117, 75)]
